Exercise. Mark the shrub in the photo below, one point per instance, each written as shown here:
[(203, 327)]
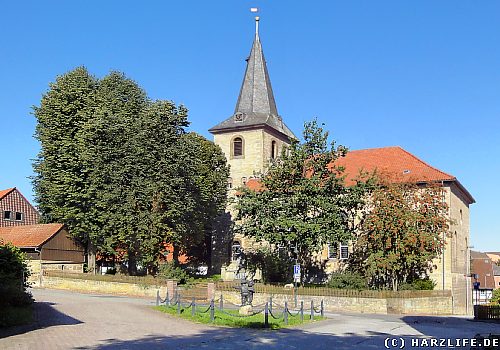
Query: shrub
[(418, 284), (495, 299), (13, 277), (347, 280), (171, 271)]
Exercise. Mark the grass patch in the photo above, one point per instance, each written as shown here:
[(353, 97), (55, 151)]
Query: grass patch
[(223, 319), (16, 316)]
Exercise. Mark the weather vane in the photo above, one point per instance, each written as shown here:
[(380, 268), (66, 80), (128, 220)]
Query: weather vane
[(255, 10)]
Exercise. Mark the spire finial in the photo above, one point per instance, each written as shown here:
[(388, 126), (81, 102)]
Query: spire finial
[(257, 18)]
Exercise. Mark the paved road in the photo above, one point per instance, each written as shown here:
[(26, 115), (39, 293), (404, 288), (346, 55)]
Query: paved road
[(67, 320)]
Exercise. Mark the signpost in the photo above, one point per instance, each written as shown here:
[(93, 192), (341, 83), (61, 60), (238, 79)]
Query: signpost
[(296, 278), (296, 273)]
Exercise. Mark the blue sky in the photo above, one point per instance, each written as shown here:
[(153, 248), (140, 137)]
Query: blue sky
[(424, 75)]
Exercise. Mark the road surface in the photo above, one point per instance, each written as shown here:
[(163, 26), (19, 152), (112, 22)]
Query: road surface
[(69, 320)]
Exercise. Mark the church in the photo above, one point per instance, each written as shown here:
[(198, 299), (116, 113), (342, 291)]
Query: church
[(256, 133)]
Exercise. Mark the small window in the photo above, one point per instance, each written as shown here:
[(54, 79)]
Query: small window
[(19, 216), (238, 147), (7, 215), (235, 251), (333, 251), (229, 183), (273, 149), (344, 251), (244, 180)]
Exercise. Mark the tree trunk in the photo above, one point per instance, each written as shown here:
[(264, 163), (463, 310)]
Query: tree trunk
[(394, 284), (132, 263), (175, 255)]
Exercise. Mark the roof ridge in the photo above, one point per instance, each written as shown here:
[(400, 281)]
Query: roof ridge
[(427, 164), (452, 177), (5, 192)]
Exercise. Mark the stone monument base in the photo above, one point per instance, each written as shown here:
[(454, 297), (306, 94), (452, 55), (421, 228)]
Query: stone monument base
[(246, 310)]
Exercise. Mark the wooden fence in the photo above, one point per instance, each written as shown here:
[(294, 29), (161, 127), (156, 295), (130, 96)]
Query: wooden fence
[(487, 312)]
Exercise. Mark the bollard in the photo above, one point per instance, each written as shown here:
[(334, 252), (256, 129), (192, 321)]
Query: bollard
[(322, 309), (193, 307), (167, 300), (302, 311), (266, 316), (271, 304), (221, 303), (312, 309), (212, 311), (285, 313), (157, 297), (295, 295)]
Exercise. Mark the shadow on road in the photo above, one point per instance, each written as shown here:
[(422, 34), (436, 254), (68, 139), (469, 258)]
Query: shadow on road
[(223, 338), (44, 316)]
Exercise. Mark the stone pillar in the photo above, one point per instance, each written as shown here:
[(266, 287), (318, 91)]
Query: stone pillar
[(171, 288), (210, 290)]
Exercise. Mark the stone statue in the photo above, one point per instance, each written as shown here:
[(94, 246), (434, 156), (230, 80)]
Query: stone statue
[(246, 290)]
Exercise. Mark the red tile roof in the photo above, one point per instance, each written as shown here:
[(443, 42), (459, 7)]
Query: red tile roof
[(3, 193), (394, 163), (255, 185), (29, 236)]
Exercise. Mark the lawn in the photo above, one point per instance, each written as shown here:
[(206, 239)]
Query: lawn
[(232, 320), (15, 316)]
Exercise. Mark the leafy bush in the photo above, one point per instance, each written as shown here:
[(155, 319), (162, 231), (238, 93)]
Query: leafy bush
[(169, 270), (13, 277), (495, 299), (347, 280), (276, 266), (418, 284), (111, 271)]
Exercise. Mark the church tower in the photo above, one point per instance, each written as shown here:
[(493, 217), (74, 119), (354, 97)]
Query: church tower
[(255, 133)]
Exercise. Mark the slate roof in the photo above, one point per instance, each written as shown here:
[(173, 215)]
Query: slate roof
[(256, 106), (29, 236), (3, 193)]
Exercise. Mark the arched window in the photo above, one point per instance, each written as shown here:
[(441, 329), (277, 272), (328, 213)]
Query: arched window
[(229, 182), (273, 149), (237, 147)]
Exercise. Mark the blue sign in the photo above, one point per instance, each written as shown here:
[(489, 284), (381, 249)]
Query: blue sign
[(476, 285), (296, 270)]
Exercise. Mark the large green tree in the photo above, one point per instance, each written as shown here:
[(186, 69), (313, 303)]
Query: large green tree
[(61, 179), (113, 156), (121, 171), (210, 183), (401, 233), (304, 202)]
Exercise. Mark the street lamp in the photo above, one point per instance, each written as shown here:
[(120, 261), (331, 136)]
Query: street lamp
[(296, 254)]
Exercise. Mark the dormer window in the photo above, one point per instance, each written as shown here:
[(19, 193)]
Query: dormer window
[(237, 147), (238, 117)]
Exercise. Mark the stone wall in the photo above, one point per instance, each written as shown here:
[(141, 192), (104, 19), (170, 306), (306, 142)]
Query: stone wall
[(105, 287), (438, 305), (410, 306)]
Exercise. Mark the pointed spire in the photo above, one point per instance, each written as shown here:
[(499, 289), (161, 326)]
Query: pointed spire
[(256, 106), (256, 94)]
